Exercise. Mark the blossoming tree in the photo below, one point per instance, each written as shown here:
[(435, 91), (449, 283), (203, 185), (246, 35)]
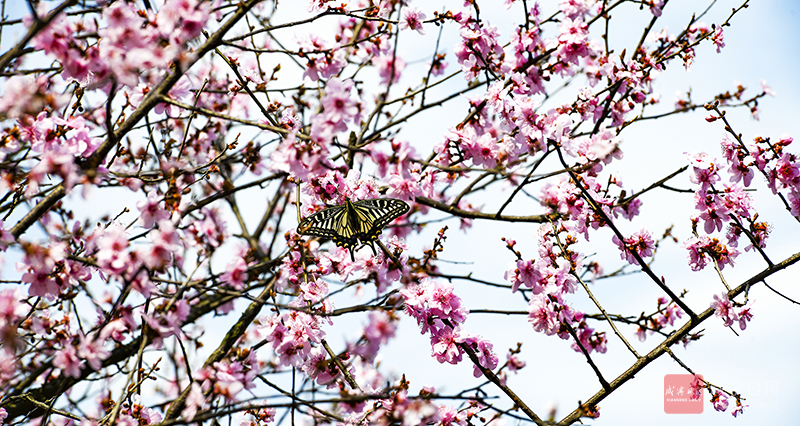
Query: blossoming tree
[(157, 157)]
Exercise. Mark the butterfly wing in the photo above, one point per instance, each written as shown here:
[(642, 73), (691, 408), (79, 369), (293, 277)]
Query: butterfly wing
[(324, 223), (333, 223), (374, 215)]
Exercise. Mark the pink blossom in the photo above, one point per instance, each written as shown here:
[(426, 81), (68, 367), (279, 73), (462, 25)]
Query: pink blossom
[(313, 291), (629, 210), (562, 197), (152, 210), (67, 360), (412, 411), (209, 233), (524, 272), (111, 243), (163, 250), (438, 66), (542, 316), (168, 323), (704, 170), (40, 262), (701, 247), (445, 346), (182, 20), (194, 401), (415, 302), (28, 96), (514, 362), (641, 243), (449, 416), (444, 303), (719, 41), (92, 351), (785, 174), (720, 401), (641, 333), (320, 369), (8, 367), (402, 188), (336, 101), (235, 274), (656, 7), (671, 313), (412, 19), (479, 49), (53, 161), (737, 201), (696, 387), (576, 8), (389, 67), (766, 89), (11, 307), (292, 335), (181, 91), (590, 340), (381, 327), (484, 151), (723, 308), (573, 42), (325, 60), (227, 378), (302, 159), (483, 350), (794, 203), (739, 408), (744, 314), (559, 279)]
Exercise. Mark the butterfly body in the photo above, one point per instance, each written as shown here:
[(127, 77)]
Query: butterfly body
[(353, 222)]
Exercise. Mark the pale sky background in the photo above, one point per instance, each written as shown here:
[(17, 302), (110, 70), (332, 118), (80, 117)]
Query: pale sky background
[(761, 363)]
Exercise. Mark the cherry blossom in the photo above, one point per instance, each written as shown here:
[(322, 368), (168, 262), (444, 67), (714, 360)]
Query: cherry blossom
[(412, 19)]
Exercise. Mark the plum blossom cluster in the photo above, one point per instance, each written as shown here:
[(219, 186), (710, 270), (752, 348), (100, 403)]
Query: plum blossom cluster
[(731, 312), (682, 45), (129, 45), (57, 141), (293, 335), (641, 243), (301, 158), (665, 316), (720, 202), (402, 408), (405, 178), (338, 110), (719, 398), (377, 332), (550, 280), (50, 274), (12, 311), (479, 48), (226, 378), (324, 60), (439, 312)]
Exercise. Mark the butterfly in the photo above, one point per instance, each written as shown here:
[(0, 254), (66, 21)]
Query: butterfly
[(352, 222)]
